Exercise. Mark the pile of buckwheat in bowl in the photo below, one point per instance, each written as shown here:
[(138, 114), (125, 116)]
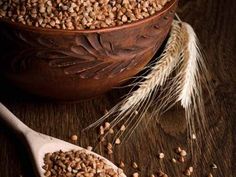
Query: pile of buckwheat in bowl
[(78, 14)]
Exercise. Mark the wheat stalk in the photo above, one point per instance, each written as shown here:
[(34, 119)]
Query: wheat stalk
[(176, 76), (159, 73)]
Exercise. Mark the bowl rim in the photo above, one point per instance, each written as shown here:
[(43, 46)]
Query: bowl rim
[(167, 6)]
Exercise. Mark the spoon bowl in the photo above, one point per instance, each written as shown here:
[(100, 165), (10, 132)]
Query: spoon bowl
[(40, 144)]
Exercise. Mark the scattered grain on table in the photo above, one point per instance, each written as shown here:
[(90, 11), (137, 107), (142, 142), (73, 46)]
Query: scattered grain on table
[(90, 148), (183, 153), (74, 138), (173, 160), (213, 166), (209, 175), (134, 165), (161, 155), (117, 141), (122, 164)]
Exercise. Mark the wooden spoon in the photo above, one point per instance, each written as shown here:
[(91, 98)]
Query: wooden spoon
[(40, 144)]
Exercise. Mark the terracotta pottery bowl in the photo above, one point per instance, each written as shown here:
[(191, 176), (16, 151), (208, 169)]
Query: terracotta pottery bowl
[(72, 65)]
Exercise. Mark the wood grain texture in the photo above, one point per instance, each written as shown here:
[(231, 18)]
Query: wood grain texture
[(213, 21)]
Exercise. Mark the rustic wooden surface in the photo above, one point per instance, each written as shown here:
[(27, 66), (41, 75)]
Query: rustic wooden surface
[(213, 21)]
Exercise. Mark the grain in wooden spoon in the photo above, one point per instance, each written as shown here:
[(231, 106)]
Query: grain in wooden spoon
[(40, 144)]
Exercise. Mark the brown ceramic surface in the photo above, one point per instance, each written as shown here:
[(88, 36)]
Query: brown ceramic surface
[(72, 65)]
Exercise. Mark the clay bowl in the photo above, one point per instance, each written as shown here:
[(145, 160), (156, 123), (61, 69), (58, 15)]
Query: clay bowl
[(72, 65)]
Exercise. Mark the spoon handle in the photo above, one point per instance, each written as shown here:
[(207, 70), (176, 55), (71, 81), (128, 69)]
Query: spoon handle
[(12, 121)]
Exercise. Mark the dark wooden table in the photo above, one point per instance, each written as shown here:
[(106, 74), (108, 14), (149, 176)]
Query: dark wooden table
[(214, 22)]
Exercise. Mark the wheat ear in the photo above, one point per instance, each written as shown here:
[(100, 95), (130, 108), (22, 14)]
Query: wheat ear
[(186, 86), (193, 59), (193, 80), (157, 77), (176, 76)]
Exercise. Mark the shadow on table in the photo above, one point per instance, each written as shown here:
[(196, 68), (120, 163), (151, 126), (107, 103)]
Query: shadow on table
[(18, 153)]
